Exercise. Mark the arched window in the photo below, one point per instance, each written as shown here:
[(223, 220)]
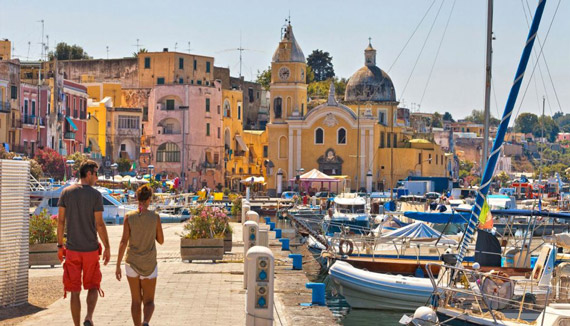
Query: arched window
[(319, 136), (341, 136), (277, 107), (227, 109), (168, 152), (283, 147)]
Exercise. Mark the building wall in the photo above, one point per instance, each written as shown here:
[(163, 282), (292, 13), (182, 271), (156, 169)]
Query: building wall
[(166, 65), (124, 71), (10, 72), (97, 128), (33, 122), (99, 91), (75, 107), (118, 134), (5, 49)]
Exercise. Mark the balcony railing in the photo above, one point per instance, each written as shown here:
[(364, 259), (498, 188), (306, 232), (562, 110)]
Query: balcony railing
[(4, 106), (210, 165), (69, 135), (16, 124), (171, 132), (33, 120)]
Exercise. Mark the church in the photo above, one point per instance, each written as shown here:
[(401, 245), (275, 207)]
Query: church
[(359, 140)]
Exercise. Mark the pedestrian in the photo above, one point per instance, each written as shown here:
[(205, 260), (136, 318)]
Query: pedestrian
[(140, 231), (81, 208)]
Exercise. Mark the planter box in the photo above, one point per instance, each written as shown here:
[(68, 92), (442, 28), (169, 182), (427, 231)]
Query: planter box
[(43, 254), (201, 249), (228, 243)]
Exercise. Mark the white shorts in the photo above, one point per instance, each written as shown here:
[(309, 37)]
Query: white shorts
[(131, 273)]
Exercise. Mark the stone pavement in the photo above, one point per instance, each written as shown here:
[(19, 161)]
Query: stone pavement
[(201, 293)]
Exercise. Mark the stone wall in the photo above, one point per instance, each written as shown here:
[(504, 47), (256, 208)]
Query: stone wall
[(124, 71)]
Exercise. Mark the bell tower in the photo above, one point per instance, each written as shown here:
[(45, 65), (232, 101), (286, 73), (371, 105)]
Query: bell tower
[(288, 80)]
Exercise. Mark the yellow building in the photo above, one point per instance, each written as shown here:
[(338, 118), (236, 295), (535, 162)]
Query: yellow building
[(158, 68), (99, 91), (358, 139), (97, 126), (5, 49), (244, 150)]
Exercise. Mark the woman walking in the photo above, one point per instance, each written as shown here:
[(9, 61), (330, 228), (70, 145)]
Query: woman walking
[(140, 231)]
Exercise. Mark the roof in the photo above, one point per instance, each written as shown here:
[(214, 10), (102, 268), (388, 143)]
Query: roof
[(296, 52), (315, 176), (370, 83)]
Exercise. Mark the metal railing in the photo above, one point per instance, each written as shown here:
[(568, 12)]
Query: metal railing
[(4, 106), (69, 135), (33, 120)]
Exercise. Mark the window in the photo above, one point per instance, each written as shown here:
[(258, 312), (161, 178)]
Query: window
[(250, 95), (395, 140), (381, 140), (389, 135), (49, 109), (207, 129), (277, 103), (341, 136), (160, 81), (218, 109), (441, 159), (319, 136), (420, 158), (199, 82), (75, 107), (123, 147), (147, 63), (168, 152), (429, 158), (436, 159), (302, 108), (207, 66), (26, 107), (180, 63), (258, 95), (265, 151), (128, 122), (207, 105), (14, 92), (108, 124), (219, 131), (195, 64), (227, 109), (34, 108), (239, 112), (181, 81), (382, 117), (170, 104)]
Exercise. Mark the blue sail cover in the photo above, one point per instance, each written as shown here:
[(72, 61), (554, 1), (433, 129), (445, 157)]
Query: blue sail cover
[(439, 218), (414, 231)]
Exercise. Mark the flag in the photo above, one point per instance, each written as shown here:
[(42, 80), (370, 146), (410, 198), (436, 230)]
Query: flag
[(134, 166), (485, 217)]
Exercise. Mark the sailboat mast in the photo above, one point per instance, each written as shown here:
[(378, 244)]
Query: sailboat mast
[(488, 70), (492, 162)]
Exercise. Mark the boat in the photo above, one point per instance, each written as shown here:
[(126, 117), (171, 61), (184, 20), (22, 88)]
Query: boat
[(349, 210)]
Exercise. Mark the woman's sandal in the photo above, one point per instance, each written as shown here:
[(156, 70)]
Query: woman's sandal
[(87, 323)]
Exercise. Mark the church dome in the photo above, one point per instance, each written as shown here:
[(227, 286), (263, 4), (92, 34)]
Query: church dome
[(370, 83)]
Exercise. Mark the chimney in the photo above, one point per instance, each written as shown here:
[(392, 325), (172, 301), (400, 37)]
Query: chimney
[(165, 50)]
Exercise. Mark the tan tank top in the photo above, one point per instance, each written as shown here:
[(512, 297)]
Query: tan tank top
[(141, 251)]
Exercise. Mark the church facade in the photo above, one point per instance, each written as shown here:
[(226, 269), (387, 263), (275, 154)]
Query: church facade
[(358, 140)]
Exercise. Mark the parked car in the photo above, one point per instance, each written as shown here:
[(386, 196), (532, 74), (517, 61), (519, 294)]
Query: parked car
[(289, 194), (433, 195)]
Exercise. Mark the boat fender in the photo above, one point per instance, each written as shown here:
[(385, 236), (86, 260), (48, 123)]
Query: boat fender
[(341, 247)]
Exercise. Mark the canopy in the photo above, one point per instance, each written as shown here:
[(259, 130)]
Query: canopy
[(255, 180), (461, 215), (71, 123), (316, 176), (117, 178), (418, 230), (241, 143)]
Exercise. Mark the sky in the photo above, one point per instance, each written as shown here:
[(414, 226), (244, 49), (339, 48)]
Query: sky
[(456, 83)]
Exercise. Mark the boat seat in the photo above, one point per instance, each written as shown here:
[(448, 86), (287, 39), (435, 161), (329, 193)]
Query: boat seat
[(449, 259)]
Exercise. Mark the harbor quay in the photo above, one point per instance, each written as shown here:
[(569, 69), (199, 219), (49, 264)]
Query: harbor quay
[(197, 293)]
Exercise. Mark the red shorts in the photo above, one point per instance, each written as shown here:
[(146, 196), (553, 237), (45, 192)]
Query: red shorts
[(77, 263)]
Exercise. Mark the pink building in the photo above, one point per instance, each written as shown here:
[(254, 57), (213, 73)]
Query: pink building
[(75, 110), (562, 136), (34, 107), (184, 132)]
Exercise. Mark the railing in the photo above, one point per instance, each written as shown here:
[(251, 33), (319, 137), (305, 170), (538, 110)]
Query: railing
[(4, 106), (210, 165), (16, 124), (33, 120), (69, 135), (171, 132)]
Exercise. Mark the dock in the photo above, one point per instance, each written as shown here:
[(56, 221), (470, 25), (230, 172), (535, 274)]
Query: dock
[(198, 293)]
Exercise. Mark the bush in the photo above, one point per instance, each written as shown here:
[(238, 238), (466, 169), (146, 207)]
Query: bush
[(52, 163), (43, 228), (207, 222), (236, 206), (124, 165)]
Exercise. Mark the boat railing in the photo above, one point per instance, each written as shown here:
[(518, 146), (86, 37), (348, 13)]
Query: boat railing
[(463, 290)]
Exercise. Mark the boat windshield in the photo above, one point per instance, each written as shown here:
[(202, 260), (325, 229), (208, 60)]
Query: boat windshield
[(110, 201), (350, 209)]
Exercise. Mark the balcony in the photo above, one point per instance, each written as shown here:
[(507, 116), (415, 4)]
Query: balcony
[(16, 124), (207, 165), (5, 107), (171, 132), (33, 121), (69, 135)]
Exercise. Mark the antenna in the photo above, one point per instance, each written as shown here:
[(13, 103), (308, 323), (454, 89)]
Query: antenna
[(107, 52), (28, 56), (175, 46), (189, 48), (42, 43), (138, 45), (47, 45), (240, 49)]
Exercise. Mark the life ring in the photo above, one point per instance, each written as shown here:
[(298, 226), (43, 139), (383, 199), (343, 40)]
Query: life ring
[(341, 246)]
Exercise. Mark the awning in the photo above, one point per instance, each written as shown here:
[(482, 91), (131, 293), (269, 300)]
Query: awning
[(252, 152), (71, 123), (94, 145), (253, 179), (241, 143)]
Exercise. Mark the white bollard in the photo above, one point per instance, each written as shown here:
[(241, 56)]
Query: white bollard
[(252, 216), (259, 299), (244, 209), (250, 239), (264, 235)]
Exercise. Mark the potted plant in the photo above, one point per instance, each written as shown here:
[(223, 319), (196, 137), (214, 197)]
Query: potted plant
[(236, 207), (43, 240), (204, 233)]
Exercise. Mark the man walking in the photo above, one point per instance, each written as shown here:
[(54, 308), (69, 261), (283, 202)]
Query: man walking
[(81, 207)]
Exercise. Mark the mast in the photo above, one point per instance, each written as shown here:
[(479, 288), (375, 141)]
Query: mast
[(492, 162), (542, 149), (488, 66)]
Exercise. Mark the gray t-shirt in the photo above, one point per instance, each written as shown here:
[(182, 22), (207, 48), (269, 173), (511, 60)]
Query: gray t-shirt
[(81, 202)]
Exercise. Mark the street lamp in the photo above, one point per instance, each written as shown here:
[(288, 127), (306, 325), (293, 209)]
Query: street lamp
[(298, 179), (69, 164), (114, 167), (151, 168), (421, 165)]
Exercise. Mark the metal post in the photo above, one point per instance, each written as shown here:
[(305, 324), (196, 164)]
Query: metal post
[(488, 84)]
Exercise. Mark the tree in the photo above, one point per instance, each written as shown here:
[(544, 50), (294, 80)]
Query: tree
[(503, 178), (551, 129), (310, 75), (124, 164), (321, 64), (526, 122), (78, 158), (142, 50), (52, 163), (436, 122), (478, 116), (447, 117), (63, 51), (264, 78)]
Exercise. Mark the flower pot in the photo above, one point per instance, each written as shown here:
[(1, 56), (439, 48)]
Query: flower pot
[(228, 242), (201, 249), (43, 254)]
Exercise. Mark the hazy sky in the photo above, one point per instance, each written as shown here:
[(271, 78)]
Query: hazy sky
[(340, 27)]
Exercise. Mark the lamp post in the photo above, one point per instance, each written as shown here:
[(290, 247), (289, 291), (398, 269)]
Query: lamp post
[(69, 164), (421, 165), (298, 179), (114, 167), (151, 168)]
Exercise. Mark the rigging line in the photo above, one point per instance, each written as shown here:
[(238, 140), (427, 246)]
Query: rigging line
[(540, 53), (437, 53), (422, 49), (495, 97), (539, 66), (409, 39), (548, 68)]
